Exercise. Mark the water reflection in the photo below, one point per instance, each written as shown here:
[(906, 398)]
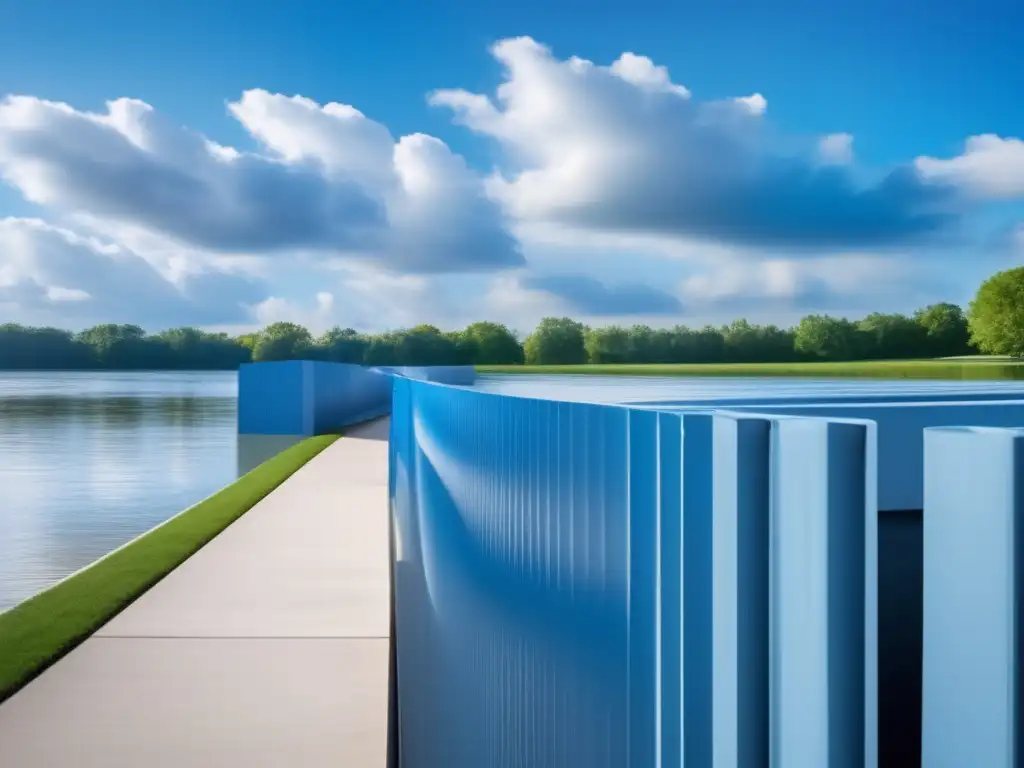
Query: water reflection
[(90, 460)]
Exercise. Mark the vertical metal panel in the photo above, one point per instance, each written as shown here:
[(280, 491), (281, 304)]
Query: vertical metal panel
[(972, 576), (900, 426), (823, 586), (670, 534), (581, 584), (270, 399), (643, 586), (698, 657), (740, 591), (515, 624), (303, 397)]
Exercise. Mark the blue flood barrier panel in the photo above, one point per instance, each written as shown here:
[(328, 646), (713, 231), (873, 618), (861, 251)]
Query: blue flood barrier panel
[(901, 428), (740, 591), (973, 510), (643, 587), (304, 397), (824, 531), (308, 397), (272, 400), (513, 614), (697, 652), (670, 582)]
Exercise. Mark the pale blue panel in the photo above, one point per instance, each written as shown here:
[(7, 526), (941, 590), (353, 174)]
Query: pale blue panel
[(971, 676), (740, 591), (901, 428), (823, 651)]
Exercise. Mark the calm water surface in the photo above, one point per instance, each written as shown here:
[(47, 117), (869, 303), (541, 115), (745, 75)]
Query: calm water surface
[(89, 460)]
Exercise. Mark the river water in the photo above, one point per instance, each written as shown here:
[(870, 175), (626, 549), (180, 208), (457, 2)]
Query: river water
[(90, 460)]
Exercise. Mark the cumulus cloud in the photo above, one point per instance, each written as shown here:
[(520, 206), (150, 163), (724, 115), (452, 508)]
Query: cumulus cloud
[(632, 198), (316, 316), (604, 148), (51, 274), (587, 296), (326, 178), (990, 166), (836, 149), (846, 281)]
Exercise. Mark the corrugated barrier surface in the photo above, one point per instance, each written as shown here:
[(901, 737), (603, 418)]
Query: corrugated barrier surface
[(590, 585)]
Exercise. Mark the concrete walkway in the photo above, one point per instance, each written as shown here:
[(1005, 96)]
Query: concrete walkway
[(268, 647)]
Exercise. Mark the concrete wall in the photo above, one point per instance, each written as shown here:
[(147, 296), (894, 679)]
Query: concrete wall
[(583, 584)]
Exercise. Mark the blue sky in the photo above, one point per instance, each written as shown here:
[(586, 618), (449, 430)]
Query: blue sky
[(770, 237)]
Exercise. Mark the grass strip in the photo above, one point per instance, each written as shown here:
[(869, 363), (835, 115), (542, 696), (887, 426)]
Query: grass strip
[(37, 632), (880, 369)]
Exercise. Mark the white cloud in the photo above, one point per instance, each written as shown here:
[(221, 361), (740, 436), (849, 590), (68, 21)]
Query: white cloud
[(619, 149), (644, 73), (990, 166), (623, 190), (836, 149), (59, 293), (755, 103), (780, 278), (51, 274), (327, 179)]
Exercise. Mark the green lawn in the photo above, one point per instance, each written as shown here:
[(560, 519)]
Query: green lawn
[(40, 630), (882, 369)]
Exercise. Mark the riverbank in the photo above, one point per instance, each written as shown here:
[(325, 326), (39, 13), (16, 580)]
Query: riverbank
[(39, 631)]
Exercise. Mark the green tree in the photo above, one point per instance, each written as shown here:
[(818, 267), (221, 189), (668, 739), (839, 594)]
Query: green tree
[(249, 340), (382, 349), (743, 342), (425, 345), (611, 344), (103, 338), (494, 344), (646, 345), (827, 338), (193, 349), (997, 314), (706, 345), (556, 341), (126, 347), (342, 345), (282, 341), (464, 347), (26, 348), (947, 333), (893, 337)]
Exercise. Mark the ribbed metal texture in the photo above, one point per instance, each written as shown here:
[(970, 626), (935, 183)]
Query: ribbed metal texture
[(591, 585)]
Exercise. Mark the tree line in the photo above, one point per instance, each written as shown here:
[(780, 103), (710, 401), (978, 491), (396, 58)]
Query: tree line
[(994, 324), (937, 331)]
